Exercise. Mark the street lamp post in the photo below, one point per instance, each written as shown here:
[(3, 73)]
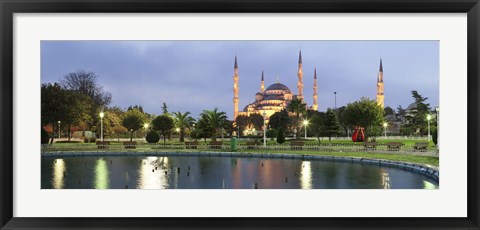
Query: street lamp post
[(335, 100), (101, 125), (385, 128), (428, 119), (305, 122), (264, 130), (59, 130)]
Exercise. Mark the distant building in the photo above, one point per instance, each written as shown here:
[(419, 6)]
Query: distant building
[(276, 97)]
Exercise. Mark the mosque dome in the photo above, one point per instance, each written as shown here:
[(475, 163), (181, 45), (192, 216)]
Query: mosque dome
[(278, 86), (412, 106)]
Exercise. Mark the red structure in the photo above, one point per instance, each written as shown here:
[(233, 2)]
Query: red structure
[(358, 135)]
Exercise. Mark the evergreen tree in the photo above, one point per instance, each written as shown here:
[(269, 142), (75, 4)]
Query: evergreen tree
[(280, 136), (330, 124)]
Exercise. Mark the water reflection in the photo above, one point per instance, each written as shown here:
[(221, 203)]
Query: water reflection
[(59, 170), (428, 185), (222, 172), (385, 179), (102, 179), (152, 173), (306, 175)]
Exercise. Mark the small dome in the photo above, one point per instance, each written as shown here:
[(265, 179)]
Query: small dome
[(412, 106), (278, 86), (259, 93)]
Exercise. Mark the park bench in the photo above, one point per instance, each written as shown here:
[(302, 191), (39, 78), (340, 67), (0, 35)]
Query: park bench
[(370, 145), (129, 145), (102, 144), (394, 146), (191, 144), (252, 144), (421, 146), (296, 145), (215, 144)]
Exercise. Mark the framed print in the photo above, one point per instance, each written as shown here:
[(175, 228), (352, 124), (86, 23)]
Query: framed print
[(214, 114)]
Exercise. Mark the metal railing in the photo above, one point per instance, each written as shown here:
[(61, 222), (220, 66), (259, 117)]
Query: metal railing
[(323, 147)]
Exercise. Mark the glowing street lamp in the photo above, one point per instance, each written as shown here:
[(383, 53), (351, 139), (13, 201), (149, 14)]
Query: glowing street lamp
[(145, 126), (102, 114), (385, 124), (59, 130), (428, 119), (305, 122)]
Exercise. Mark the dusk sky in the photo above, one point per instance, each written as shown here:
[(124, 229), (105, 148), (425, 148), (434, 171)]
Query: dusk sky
[(197, 75)]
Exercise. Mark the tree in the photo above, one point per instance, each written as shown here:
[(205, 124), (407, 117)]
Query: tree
[(165, 109), (341, 119), (44, 137), (364, 113), (76, 110), (418, 116), (86, 84), (139, 107), (330, 124), (280, 120), (241, 122), (54, 105), (133, 121), (164, 124), (280, 136), (316, 124), (203, 128), (183, 121), (297, 107), (256, 120), (215, 120)]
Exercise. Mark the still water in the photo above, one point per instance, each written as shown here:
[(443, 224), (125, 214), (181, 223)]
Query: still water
[(113, 172)]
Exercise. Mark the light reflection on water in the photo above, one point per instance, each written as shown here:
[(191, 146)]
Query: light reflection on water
[(222, 172), (306, 175), (102, 178), (58, 173), (151, 178)]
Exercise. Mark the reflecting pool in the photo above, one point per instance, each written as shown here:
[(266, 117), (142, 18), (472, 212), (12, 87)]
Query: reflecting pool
[(175, 172)]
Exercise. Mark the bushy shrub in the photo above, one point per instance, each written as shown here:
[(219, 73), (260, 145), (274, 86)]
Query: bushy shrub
[(435, 136), (91, 139), (152, 137), (44, 137), (280, 136)]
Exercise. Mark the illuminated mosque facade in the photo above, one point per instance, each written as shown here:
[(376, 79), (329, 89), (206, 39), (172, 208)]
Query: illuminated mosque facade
[(275, 97), (278, 96)]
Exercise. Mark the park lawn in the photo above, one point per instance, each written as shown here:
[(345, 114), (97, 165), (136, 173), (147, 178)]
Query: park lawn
[(393, 156)]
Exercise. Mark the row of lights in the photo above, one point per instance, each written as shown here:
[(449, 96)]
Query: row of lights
[(305, 122)]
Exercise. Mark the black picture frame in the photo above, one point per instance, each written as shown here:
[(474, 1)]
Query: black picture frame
[(10, 7)]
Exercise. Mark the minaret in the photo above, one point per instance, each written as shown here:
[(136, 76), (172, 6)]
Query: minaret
[(315, 89), (300, 77), (380, 95), (262, 85), (235, 89)]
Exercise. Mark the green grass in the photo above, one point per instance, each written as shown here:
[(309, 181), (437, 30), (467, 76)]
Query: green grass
[(426, 160)]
